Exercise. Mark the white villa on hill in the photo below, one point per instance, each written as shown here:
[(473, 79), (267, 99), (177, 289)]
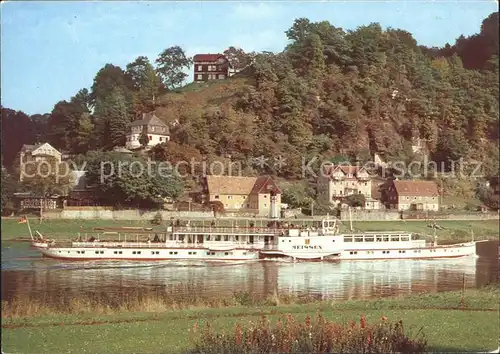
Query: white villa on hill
[(38, 152), (340, 181), (156, 131)]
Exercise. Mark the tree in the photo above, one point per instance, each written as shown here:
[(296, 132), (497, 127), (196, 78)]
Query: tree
[(184, 158), (132, 181), (9, 186), (299, 30), (84, 139), (297, 196), (108, 79), (64, 123), (170, 64), (143, 139), (145, 84), (45, 178), (112, 119), (17, 129), (238, 58), (451, 146), (355, 200)]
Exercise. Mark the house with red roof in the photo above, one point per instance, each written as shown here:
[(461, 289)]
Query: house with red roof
[(258, 195), (211, 67), (412, 195)]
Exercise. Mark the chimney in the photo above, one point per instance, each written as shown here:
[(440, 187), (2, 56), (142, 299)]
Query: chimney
[(273, 212)]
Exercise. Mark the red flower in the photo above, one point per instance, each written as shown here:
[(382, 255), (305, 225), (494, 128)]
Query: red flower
[(238, 334), (362, 322), (308, 321)]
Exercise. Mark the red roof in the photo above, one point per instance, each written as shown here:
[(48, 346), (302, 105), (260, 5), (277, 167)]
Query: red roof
[(208, 57), (265, 184), (416, 188)]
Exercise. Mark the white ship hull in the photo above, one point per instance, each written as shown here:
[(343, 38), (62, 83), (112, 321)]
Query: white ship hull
[(145, 253), (451, 251), (445, 251), (218, 244)]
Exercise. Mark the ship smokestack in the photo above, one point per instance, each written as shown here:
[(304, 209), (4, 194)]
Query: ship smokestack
[(273, 210)]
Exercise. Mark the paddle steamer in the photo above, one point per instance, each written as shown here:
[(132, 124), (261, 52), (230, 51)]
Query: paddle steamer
[(278, 240)]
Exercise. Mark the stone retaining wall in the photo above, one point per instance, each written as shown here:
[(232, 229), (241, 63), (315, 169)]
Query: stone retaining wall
[(104, 213)]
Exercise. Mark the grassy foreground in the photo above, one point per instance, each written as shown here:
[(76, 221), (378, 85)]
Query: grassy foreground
[(453, 230), (449, 321)]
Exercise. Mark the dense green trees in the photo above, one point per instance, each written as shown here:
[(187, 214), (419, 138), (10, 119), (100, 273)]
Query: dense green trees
[(170, 64), (145, 84), (9, 186), (238, 58), (130, 180), (330, 92)]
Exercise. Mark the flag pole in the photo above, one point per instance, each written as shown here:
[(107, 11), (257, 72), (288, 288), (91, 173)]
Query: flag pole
[(29, 227)]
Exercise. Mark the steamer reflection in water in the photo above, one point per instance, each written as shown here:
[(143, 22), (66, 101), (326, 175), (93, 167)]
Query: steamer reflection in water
[(360, 280), (343, 280)]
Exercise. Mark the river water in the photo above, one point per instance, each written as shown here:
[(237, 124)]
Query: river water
[(25, 272)]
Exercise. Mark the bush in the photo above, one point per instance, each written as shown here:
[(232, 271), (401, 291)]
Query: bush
[(158, 219), (320, 336), (355, 200)]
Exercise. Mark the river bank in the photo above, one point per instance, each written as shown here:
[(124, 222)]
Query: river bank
[(451, 230), (452, 321)]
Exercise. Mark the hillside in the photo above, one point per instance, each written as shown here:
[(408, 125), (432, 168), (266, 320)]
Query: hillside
[(329, 94), (356, 93)]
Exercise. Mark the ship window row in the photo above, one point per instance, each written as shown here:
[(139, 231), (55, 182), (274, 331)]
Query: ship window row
[(399, 251), (376, 238), (195, 237), (136, 252)]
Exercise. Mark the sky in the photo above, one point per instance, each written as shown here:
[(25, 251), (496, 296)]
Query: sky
[(50, 50)]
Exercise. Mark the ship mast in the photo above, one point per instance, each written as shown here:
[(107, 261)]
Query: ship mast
[(29, 227), (350, 219)]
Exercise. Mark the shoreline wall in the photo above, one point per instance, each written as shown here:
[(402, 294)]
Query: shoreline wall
[(107, 213)]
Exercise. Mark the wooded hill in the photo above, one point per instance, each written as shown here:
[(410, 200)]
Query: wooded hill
[(330, 92)]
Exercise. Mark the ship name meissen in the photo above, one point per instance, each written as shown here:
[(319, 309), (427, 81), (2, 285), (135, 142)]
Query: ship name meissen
[(315, 247)]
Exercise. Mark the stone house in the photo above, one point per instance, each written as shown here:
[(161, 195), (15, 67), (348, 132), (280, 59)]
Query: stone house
[(246, 194), (411, 195)]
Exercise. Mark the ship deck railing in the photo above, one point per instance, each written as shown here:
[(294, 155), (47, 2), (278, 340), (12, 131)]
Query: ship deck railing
[(167, 244), (228, 230)]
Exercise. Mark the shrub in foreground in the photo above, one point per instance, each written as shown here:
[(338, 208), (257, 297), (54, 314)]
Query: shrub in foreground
[(319, 336)]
